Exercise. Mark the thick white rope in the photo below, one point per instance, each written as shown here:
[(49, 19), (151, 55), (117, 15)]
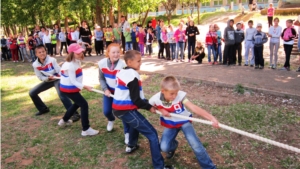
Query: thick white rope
[(275, 143)]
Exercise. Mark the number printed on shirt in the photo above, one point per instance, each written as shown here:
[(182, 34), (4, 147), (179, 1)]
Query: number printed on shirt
[(178, 108)]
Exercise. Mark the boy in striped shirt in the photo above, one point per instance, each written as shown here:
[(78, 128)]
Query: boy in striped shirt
[(172, 100), (129, 97), (47, 70)]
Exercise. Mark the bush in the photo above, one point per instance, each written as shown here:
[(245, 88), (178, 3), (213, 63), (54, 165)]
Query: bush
[(286, 11), (239, 89)]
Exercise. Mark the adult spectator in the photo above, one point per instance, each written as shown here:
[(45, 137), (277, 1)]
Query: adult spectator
[(124, 25), (250, 5), (68, 31), (191, 32), (56, 31), (158, 37), (153, 22), (85, 33), (4, 48)]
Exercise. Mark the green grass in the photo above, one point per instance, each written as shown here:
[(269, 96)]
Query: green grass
[(48, 146)]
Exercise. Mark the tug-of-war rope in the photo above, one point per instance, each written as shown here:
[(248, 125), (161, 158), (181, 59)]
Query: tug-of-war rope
[(223, 126)]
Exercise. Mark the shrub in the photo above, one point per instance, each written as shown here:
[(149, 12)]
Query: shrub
[(239, 89), (286, 11)]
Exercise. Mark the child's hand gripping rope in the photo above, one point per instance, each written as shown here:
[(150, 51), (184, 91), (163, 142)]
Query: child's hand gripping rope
[(275, 143)]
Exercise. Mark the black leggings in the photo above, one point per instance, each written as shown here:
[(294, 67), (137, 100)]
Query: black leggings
[(79, 101), (167, 48), (62, 44), (161, 49), (287, 50), (270, 21), (99, 47), (49, 48)]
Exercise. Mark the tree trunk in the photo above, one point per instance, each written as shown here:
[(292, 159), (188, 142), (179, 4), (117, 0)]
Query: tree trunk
[(105, 20), (43, 22), (111, 14), (182, 9), (7, 30), (169, 17), (66, 22), (27, 30), (198, 11), (119, 11), (146, 15), (58, 22), (98, 13)]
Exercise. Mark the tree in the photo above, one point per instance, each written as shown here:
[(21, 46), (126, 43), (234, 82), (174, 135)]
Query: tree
[(170, 6)]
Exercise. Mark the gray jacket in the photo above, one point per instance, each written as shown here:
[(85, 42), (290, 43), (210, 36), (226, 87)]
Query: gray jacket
[(229, 34), (259, 38)]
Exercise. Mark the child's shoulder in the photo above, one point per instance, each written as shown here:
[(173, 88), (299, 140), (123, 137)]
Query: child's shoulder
[(102, 61)]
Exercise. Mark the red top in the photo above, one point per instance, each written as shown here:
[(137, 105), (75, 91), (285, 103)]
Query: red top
[(13, 44), (211, 37), (153, 23)]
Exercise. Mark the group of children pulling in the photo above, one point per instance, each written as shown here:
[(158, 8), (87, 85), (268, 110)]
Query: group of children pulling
[(120, 78)]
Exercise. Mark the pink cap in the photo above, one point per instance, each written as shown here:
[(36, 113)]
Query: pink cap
[(74, 47)]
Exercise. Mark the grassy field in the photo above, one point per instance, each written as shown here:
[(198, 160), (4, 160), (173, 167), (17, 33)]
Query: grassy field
[(37, 142)]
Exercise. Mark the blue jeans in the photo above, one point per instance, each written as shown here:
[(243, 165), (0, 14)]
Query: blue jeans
[(211, 49), (139, 124), (32, 53), (180, 47), (249, 46), (24, 53), (169, 144), (173, 50), (219, 52), (107, 111), (128, 46), (191, 48), (39, 104)]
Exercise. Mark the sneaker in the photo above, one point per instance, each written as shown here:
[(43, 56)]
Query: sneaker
[(298, 70), (89, 132), (245, 64), (42, 112), (62, 123), (261, 67), (131, 149), (240, 64), (168, 167), (273, 67), (251, 65), (171, 154), (75, 117), (110, 125), (288, 69), (283, 68), (256, 67), (126, 138), (216, 63), (210, 63)]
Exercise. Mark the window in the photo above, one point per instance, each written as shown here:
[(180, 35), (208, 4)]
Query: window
[(218, 2), (206, 4)]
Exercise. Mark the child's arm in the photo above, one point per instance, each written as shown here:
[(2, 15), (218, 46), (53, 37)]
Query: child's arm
[(134, 90), (103, 83), (197, 110), (265, 38)]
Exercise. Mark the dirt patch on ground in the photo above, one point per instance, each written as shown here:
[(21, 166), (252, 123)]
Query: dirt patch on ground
[(19, 159)]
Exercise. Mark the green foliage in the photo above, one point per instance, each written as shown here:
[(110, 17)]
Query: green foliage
[(239, 89)]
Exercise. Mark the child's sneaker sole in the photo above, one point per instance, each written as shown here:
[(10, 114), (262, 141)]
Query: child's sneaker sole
[(129, 150)]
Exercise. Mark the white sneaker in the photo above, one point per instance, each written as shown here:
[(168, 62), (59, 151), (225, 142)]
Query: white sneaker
[(110, 125), (126, 138), (89, 132), (62, 123)]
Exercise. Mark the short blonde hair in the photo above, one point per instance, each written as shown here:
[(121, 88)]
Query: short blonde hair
[(170, 83)]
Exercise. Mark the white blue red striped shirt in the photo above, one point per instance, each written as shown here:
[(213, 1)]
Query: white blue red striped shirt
[(176, 107), (49, 66), (110, 75), (122, 99), (71, 77)]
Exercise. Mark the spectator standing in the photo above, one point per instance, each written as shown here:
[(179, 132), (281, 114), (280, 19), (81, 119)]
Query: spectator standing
[(85, 33), (22, 47), (4, 48), (274, 34), (271, 12), (124, 25), (191, 32), (63, 41)]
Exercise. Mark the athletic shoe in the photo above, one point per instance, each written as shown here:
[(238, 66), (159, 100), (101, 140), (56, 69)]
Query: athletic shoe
[(256, 67), (261, 67), (110, 125), (245, 64), (216, 63), (251, 65), (75, 117), (189, 60), (126, 138), (168, 167), (42, 112), (89, 132), (288, 69), (171, 154), (210, 63), (283, 68), (273, 67), (131, 149), (62, 123), (240, 64)]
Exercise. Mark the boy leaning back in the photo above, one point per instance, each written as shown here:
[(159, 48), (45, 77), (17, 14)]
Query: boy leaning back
[(129, 97), (172, 100)]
